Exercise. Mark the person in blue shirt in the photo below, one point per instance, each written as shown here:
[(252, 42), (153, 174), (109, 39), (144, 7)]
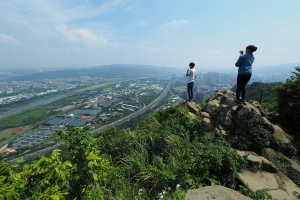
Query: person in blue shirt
[(244, 63)]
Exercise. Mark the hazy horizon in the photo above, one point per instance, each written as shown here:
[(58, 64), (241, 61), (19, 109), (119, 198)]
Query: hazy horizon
[(77, 34)]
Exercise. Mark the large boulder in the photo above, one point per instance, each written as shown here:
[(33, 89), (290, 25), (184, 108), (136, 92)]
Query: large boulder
[(258, 106), (273, 116), (255, 159), (276, 184), (216, 95), (246, 114), (280, 141), (225, 116), (208, 124), (212, 107), (194, 108)]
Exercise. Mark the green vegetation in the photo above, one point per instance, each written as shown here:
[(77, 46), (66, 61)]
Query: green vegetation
[(165, 154), (259, 194), (255, 139), (83, 175), (25, 118), (167, 148), (147, 99), (5, 134), (68, 100), (107, 89), (253, 91), (288, 101)]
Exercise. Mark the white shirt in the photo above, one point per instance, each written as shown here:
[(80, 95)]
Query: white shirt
[(191, 75)]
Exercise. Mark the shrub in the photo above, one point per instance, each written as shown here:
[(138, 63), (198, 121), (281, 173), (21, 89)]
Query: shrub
[(288, 101), (255, 138)]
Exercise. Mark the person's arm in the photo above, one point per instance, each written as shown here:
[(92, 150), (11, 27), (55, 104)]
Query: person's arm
[(187, 73), (239, 61)]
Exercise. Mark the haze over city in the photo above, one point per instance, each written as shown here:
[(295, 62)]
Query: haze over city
[(60, 34)]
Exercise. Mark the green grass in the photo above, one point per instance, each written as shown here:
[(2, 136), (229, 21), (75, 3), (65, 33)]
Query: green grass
[(5, 135), (109, 103), (24, 118), (107, 89)]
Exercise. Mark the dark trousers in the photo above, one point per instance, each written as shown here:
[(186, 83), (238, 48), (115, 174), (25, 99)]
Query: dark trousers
[(242, 80), (190, 90)]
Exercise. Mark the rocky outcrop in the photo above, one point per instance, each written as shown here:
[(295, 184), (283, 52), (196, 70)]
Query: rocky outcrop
[(268, 177), (194, 108), (214, 192), (220, 116), (276, 184), (257, 160)]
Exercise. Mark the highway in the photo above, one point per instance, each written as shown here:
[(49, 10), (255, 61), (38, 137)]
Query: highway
[(115, 123)]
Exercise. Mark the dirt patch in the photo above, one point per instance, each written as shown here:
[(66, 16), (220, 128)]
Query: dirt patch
[(65, 108)]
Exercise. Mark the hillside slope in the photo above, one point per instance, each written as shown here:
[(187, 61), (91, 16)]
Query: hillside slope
[(170, 152)]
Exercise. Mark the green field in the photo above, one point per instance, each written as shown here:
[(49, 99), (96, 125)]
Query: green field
[(25, 118), (5, 135), (109, 103), (107, 89)]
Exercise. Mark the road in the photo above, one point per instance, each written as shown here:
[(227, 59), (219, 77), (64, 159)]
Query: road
[(115, 123)]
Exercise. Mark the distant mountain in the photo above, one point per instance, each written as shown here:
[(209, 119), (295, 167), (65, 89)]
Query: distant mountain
[(105, 71)]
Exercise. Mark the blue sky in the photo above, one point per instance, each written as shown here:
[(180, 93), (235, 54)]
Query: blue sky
[(82, 33)]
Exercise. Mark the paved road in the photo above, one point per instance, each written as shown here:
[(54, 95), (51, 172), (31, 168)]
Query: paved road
[(116, 123)]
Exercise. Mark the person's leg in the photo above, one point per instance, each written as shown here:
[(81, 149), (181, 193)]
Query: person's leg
[(192, 93), (189, 90), (245, 80), (238, 87)]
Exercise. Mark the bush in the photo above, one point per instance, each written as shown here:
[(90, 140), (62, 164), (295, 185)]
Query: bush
[(288, 101), (255, 139)]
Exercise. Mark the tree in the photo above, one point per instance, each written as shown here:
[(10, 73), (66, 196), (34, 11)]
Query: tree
[(89, 170), (47, 178), (288, 101)]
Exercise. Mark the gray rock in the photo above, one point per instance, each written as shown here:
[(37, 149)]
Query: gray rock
[(225, 116), (208, 124), (258, 106), (214, 193), (212, 107), (194, 108), (246, 114)]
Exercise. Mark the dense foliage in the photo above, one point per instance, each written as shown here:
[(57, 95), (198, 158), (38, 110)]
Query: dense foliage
[(288, 101), (26, 117), (254, 138), (254, 90), (83, 175), (167, 149)]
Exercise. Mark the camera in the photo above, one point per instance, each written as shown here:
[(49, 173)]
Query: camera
[(241, 52)]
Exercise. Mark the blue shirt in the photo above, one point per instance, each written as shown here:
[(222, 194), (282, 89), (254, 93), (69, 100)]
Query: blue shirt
[(245, 63)]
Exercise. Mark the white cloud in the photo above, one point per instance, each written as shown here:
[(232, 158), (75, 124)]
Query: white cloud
[(179, 22), (8, 39), (78, 35)]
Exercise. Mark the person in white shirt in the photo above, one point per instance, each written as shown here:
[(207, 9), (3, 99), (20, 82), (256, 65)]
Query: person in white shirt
[(191, 74)]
